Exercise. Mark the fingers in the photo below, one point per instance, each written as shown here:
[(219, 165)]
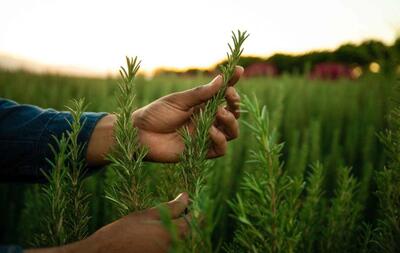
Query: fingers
[(183, 225), (185, 100), (196, 96), (233, 101), (236, 75), (227, 124), (176, 207), (219, 143)]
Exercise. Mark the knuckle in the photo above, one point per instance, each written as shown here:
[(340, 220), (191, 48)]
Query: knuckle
[(237, 114), (182, 225), (230, 91), (235, 133), (237, 96), (223, 147), (231, 118), (198, 89), (220, 111), (199, 92)]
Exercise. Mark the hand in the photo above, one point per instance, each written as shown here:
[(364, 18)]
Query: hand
[(158, 123), (136, 232)]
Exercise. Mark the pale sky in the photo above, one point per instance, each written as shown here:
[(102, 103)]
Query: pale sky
[(96, 35)]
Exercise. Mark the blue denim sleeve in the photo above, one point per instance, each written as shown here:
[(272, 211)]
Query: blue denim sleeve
[(25, 134), (10, 249)]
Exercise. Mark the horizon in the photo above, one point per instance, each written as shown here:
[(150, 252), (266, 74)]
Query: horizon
[(183, 35)]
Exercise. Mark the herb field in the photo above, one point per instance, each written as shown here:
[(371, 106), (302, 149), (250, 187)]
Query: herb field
[(308, 173)]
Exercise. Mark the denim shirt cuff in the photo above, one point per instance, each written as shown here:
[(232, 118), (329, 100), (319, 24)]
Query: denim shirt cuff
[(11, 249)]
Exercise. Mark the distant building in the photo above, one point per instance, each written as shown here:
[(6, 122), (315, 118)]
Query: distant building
[(260, 69), (332, 71)]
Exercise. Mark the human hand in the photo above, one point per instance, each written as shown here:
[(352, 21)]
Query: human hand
[(158, 123), (137, 232)]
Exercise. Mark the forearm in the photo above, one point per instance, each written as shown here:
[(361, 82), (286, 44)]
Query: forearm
[(101, 141), (84, 246)]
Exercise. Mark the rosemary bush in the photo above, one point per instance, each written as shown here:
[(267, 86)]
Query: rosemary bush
[(342, 216), (193, 163), (62, 204), (277, 212), (387, 233), (127, 191), (272, 226), (209, 199), (78, 218), (310, 217), (273, 203), (53, 227)]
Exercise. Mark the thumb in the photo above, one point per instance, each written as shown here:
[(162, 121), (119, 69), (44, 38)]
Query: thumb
[(198, 95), (176, 207)]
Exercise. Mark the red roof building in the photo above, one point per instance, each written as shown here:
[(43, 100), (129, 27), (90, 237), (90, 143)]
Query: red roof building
[(331, 71), (260, 69)]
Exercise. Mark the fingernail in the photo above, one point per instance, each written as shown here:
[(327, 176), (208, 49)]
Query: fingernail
[(237, 96), (213, 129), (180, 195), (218, 78), (223, 110)]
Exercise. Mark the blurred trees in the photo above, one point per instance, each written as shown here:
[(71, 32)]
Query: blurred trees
[(362, 55), (349, 54)]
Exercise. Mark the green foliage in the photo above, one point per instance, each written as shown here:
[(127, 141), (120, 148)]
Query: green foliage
[(193, 159), (62, 203), (78, 218), (311, 212), (54, 220), (330, 122), (272, 226), (283, 220), (388, 56), (127, 191), (202, 183), (388, 187), (342, 216)]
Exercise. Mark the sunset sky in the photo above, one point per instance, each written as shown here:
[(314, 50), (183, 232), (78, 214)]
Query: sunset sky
[(96, 35)]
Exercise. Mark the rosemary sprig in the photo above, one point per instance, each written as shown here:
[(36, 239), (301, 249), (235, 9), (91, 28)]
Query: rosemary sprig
[(127, 156), (193, 158), (63, 202), (78, 218), (208, 198)]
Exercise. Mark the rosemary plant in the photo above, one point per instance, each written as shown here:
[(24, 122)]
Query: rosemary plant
[(54, 224), (127, 156), (342, 216), (64, 203), (387, 238), (78, 214), (272, 226), (311, 211), (207, 188), (193, 159)]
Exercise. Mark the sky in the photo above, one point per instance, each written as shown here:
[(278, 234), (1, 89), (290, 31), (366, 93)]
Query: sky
[(95, 35)]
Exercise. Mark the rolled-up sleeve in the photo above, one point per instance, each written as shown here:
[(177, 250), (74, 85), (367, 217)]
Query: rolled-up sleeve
[(26, 132)]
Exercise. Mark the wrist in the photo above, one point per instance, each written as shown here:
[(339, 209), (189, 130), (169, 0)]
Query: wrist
[(101, 141)]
